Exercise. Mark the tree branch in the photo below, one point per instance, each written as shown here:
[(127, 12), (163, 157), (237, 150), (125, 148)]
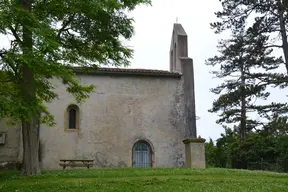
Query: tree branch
[(6, 81), (14, 32), (2, 53), (273, 46), (65, 24), (10, 65)]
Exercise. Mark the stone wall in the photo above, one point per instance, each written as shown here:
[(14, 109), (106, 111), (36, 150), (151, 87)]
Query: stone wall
[(121, 111), (10, 152)]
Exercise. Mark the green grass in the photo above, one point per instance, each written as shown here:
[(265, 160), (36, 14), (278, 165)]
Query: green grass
[(150, 180)]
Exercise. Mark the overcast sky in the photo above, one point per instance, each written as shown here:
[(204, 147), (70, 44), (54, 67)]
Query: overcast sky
[(151, 43)]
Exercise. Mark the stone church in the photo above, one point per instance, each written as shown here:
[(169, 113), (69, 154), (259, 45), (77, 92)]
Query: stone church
[(135, 118)]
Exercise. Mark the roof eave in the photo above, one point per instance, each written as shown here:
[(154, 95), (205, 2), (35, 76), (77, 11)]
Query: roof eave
[(129, 73)]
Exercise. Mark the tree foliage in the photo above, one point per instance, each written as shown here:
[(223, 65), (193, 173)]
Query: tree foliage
[(240, 59), (48, 38), (257, 68), (266, 147), (270, 19), (65, 33), (260, 151)]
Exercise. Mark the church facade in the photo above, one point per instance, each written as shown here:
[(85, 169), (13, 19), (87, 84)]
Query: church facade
[(135, 118)]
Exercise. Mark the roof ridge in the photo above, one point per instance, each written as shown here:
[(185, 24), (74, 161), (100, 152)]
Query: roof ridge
[(116, 70), (122, 68)]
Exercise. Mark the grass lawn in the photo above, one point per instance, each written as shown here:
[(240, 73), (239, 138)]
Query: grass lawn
[(149, 180)]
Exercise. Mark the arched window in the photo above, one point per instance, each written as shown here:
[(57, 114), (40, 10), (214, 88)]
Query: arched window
[(142, 154), (72, 117)]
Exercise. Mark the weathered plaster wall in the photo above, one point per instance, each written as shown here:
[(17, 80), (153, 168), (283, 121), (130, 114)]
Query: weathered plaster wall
[(10, 151), (121, 111)]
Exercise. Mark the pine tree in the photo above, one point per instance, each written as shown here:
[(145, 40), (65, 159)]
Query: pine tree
[(271, 19), (239, 56)]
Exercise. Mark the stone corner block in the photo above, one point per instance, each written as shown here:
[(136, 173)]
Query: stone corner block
[(195, 153)]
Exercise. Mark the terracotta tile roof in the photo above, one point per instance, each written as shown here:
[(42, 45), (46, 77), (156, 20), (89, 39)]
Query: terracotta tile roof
[(125, 71)]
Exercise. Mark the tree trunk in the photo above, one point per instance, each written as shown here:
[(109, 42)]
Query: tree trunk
[(283, 32), (30, 164), (243, 127), (30, 127)]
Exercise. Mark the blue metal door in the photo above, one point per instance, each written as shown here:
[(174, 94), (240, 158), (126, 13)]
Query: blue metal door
[(141, 155)]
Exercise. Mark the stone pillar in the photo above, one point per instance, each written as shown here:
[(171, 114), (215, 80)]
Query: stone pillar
[(195, 153), (189, 97)]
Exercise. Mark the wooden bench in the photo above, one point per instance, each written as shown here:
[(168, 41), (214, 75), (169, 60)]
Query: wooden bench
[(76, 163)]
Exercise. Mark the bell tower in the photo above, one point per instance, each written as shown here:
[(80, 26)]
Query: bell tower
[(178, 47), (180, 62)]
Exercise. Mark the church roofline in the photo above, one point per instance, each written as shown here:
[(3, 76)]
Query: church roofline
[(125, 71)]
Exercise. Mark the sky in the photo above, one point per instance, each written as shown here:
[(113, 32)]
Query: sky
[(151, 44)]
